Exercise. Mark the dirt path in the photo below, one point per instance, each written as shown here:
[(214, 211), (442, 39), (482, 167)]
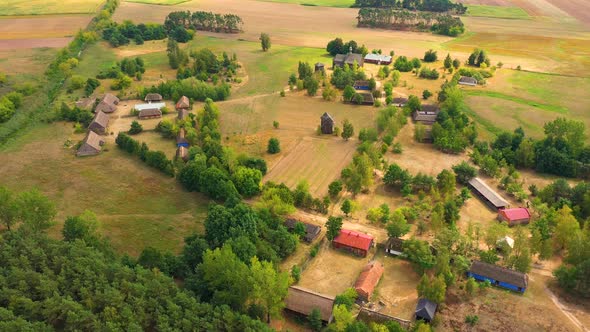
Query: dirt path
[(566, 311)]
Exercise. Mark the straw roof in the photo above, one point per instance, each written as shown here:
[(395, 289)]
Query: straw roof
[(499, 273), (303, 301)]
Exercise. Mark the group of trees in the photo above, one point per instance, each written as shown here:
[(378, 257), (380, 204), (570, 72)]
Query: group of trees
[(118, 34), (191, 87), (392, 18), (8, 105), (281, 200), (403, 64), (75, 114), (452, 132), (346, 76), (479, 58), (337, 46), (206, 66), (155, 159), (424, 5), (205, 21)]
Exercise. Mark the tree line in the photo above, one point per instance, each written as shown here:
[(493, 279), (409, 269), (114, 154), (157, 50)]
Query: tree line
[(395, 19), (119, 34), (423, 5), (191, 87), (206, 21)]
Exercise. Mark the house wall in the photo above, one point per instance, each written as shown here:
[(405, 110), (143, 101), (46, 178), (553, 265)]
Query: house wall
[(496, 283), (524, 221), (356, 251)]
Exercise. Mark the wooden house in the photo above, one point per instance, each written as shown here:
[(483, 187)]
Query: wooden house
[(327, 124), (91, 145), (487, 194), (153, 97), (362, 85), (108, 103), (499, 276), (400, 101), (311, 231), (147, 111), (348, 59), (182, 114), (355, 242), (466, 80), (302, 301), (378, 59), (183, 104), (100, 123), (394, 246), (425, 310), (320, 67), (368, 280), (515, 216), (368, 98)]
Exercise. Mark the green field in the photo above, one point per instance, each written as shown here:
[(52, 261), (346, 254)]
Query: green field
[(322, 3), (497, 12), (159, 2), (47, 7)]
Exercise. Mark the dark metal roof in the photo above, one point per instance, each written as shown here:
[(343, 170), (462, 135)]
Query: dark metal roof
[(488, 193), (311, 231), (426, 309)]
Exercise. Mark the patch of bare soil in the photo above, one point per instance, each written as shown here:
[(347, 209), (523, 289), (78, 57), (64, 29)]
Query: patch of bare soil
[(11, 44)]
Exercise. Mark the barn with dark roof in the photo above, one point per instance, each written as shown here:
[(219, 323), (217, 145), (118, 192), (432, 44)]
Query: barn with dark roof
[(499, 276), (425, 310), (311, 231), (487, 194)]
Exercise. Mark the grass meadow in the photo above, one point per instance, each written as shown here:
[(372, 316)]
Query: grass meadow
[(497, 11), (48, 7)]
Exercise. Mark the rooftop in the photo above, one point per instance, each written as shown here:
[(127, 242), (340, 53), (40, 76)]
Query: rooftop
[(354, 239)]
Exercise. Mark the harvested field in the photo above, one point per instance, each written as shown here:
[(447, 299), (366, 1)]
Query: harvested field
[(14, 44), (315, 160), (397, 288), (497, 11), (579, 9), (25, 63), (332, 271), (136, 206), (44, 7), (159, 2), (323, 3)]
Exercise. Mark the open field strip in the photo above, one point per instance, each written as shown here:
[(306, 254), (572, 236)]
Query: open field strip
[(48, 7), (497, 11)]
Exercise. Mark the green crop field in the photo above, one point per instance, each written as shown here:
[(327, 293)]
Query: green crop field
[(48, 7), (159, 2), (322, 3), (497, 11)]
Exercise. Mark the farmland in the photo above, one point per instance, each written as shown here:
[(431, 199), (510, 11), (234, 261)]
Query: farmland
[(48, 7), (159, 2), (497, 11)]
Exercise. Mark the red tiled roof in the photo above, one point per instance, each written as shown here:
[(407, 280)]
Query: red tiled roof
[(516, 213), (368, 279), (354, 239)]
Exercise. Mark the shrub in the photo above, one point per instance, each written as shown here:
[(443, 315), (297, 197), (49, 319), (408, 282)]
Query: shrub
[(136, 128), (430, 56), (273, 146)]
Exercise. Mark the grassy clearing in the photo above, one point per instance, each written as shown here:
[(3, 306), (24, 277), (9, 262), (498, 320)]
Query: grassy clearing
[(321, 3), (497, 12), (540, 106), (46, 7), (136, 206), (159, 2)]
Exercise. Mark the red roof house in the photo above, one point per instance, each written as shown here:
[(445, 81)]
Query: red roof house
[(355, 242), (515, 216), (368, 280)]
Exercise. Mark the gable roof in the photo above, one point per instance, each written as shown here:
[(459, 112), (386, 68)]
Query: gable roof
[(487, 192), (506, 239), (400, 100), (468, 80), (110, 98), (101, 118), (106, 107), (326, 117), (395, 244), (430, 108), (94, 140), (515, 213), (183, 102), (311, 230), (368, 279), (153, 97), (424, 116), (499, 273), (354, 239), (150, 112), (426, 309), (303, 301), (182, 152)]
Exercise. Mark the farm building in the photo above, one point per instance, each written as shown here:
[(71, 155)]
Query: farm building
[(355, 242), (515, 216), (499, 276), (400, 101), (347, 59), (379, 59), (85, 103), (108, 104), (153, 97), (311, 231), (425, 310), (327, 124), (182, 114), (487, 194), (182, 153), (320, 67), (367, 98), (394, 246), (369, 316), (466, 80), (424, 117), (302, 301), (147, 111), (180, 139), (361, 85), (100, 123), (91, 145), (183, 103), (368, 280)]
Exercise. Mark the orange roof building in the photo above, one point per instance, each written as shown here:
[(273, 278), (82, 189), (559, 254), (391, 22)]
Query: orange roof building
[(368, 280)]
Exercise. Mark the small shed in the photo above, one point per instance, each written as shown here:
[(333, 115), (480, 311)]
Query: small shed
[(182, 153), (183, 103), (425, 310), (487, 194), (311, 231), (153, 97), (394, 246), (466, 80), (378, 59), (499, 276), (302, 301), (180, 139), (91, 145), (368, 280), (515, 216), (400, 101), (100, 123), (355, 242), (361, 85), (327, 124), (504, 242), (320, 67)]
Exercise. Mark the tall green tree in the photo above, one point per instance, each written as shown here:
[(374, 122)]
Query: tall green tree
[(35, 210), (334, 225), (269, 287), (264, 42), (347, 130)]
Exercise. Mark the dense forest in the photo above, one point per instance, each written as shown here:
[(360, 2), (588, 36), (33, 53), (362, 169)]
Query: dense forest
[(206, 21), (403, 19), (439, 6)]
